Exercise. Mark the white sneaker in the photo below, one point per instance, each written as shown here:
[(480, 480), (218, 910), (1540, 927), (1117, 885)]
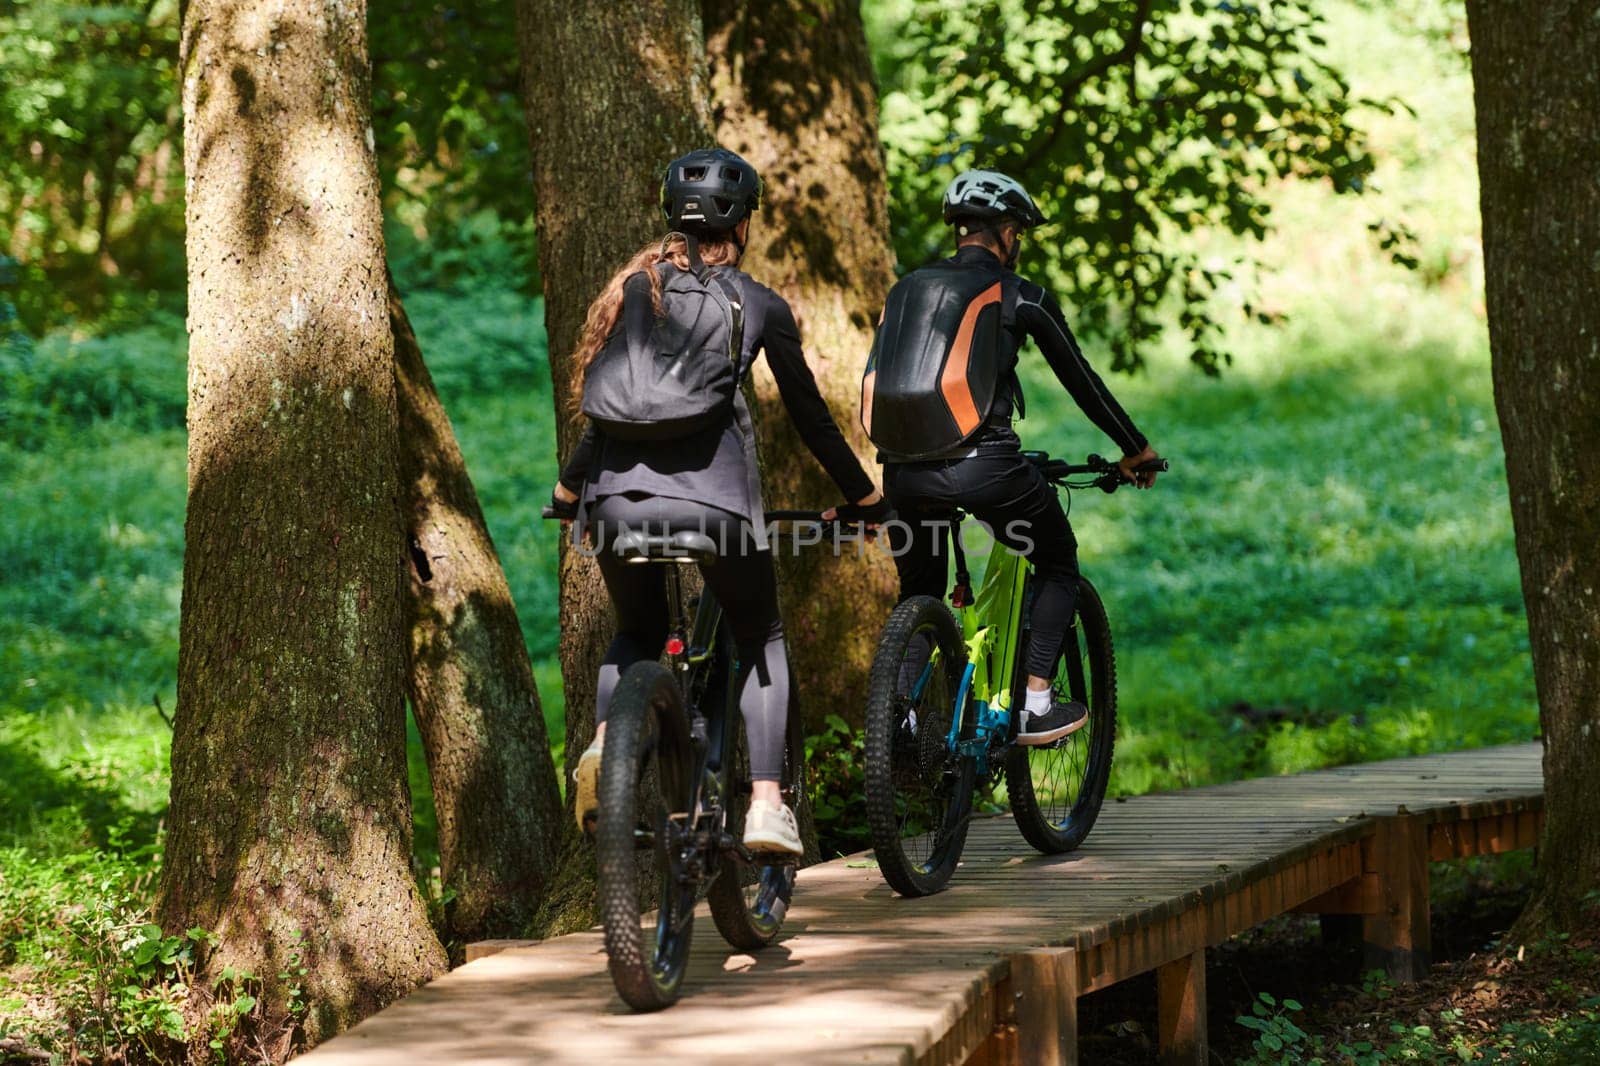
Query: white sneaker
[(769, 828), (586, 785)]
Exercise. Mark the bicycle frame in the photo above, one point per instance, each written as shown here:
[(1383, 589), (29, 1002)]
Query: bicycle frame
[(694, 662), (990, 624), (691, 652)]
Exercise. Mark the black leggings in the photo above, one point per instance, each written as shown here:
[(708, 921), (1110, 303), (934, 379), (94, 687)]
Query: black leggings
[(1007, 493), (743, 582)]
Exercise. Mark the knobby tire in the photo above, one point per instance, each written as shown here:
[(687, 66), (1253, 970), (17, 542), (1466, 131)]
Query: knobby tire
[(918, 794)]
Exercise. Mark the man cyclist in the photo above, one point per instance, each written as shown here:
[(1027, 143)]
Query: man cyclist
[(938, 398)]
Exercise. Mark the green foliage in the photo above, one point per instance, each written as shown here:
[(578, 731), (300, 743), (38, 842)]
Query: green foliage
[(66, 383), (85, 972), (1571, 1039), (92, 482), (1133, 123), (90, 179), (91, 168), (1278, 1038), (836, 761), (447, 118)]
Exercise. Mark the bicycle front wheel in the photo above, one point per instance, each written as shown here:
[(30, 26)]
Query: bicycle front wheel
[(919, 793), (642, 837), (1057, 789)]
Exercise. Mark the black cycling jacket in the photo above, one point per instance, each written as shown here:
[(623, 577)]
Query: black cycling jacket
[(718, 466), (1033, 312)]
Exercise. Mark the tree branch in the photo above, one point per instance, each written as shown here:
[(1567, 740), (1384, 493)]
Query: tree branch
[(1068, 89)]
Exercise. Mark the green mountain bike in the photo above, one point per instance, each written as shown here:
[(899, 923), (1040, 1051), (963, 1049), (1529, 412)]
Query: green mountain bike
[(939, 718)]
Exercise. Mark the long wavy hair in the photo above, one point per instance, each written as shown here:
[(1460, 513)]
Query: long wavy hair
[(606, 310)]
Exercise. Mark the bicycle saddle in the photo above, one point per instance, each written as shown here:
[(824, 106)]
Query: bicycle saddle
[(686, 546)]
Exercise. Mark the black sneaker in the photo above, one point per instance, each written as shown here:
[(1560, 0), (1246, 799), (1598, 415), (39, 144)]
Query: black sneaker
[(1063, 718)]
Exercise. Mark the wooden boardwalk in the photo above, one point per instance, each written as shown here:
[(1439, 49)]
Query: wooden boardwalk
[(990, 969)]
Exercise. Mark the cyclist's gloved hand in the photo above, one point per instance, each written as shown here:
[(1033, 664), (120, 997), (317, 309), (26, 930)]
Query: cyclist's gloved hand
[(566, 508), (876, 513), (1129, 465)]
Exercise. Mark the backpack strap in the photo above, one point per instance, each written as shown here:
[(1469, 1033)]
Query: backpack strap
[(733, 306), (1010, 293)]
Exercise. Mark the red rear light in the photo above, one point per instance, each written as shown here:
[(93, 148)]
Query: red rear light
[(674, 646)]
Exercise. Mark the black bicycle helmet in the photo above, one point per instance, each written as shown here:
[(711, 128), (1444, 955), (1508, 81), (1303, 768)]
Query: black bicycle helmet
[(989, 196), (709, 191)]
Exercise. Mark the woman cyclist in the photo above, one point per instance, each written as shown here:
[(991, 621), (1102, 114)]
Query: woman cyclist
[(707, 481)]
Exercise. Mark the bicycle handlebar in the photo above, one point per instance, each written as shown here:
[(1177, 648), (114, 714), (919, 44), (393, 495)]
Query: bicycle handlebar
[(1110, 474)]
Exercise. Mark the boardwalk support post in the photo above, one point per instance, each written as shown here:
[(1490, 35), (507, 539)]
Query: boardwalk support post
[(1397, 938), (1045, 983), (1181, 1010)]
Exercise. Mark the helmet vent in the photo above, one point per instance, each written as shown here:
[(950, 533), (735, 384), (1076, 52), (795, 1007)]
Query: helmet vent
[(731, 174), (722, 204), (694, 173)]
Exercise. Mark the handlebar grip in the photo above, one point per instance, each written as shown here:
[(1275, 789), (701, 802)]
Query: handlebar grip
[(565, 514)]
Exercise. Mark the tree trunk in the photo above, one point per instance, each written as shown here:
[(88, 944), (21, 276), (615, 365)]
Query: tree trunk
[(290, 823), (793, 89), (1536, 71), (613, 92), (471, 682)]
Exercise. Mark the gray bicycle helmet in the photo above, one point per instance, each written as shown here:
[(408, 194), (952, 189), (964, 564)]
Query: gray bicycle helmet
[(989, 196), (709, 191)]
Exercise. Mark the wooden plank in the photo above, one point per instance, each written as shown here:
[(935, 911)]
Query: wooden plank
[(1045, 984), (1181, 1010), (999, 1046), (1359, 895), (1397, 937), (482, 949)]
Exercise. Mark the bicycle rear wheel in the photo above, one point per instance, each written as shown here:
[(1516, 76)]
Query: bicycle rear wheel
[(748, 903), (644, 796), (1057, 789), (919, 793)]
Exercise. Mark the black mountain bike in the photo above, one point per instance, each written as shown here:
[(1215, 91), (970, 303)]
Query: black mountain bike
[(940, 702), (674, 789)]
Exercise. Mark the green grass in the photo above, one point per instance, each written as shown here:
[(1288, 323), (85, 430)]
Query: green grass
[(92, 483), (1332, 545)]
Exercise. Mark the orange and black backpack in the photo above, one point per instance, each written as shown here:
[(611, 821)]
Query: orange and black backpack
[(935, 366)]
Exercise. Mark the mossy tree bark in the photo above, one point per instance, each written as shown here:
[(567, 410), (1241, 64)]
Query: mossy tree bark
[(471, 681), (290, 824), (1536, 72), (612, 92), (793, 90)]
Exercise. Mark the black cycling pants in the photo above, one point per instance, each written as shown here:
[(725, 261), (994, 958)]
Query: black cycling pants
[(1005, 492), (743, 582)]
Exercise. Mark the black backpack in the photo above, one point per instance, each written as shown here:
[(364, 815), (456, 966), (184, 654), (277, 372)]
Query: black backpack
[(682, 379), (935, 367)]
